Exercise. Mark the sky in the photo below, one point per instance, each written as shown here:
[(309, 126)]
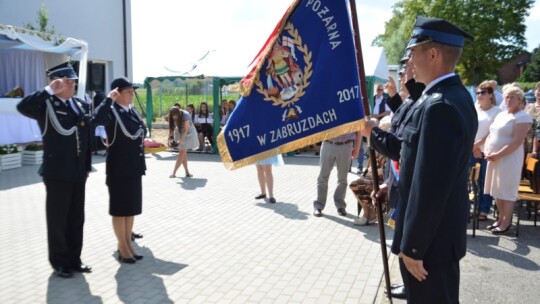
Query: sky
[(170, 36)]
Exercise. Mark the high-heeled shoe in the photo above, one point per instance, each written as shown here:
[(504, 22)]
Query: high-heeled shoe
[(498, 230), (125, 260), (492, 226), (138, 257)]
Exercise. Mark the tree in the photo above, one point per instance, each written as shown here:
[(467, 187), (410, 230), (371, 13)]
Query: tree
[(532, 72), (497, 25), (43, 22)]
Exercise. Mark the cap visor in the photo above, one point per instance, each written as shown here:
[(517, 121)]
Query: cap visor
[(415, 42)]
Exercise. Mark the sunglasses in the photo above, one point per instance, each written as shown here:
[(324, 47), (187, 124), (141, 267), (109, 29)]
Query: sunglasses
[(483, 92)]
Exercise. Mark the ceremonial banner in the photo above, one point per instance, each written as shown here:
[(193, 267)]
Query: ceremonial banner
[(303, 87)]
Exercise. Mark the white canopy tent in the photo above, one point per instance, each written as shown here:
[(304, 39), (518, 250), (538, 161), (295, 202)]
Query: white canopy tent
[(25, 56), (375, 67)]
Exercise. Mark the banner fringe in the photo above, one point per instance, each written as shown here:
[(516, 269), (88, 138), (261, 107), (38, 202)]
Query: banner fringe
[(288, 147)]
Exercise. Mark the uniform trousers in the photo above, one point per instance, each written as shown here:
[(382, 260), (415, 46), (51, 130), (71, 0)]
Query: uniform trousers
[(440, 286), (331, 154), (65, 221)]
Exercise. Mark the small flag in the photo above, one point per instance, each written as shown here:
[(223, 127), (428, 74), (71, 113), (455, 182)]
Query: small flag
[(303, 86)]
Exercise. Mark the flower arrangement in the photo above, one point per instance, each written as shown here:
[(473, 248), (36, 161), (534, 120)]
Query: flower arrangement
[(34, 147), (8, 149)]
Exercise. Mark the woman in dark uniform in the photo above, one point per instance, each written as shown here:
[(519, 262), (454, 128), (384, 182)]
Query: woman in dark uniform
[(125, 163)]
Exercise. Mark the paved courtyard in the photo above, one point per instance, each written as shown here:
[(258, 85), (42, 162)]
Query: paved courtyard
[(207, 240)]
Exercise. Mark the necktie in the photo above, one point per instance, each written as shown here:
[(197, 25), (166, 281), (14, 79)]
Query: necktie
[(72, 107), (132, 112)]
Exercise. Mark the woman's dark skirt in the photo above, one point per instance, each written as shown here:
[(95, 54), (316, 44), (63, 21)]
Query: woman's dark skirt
[(125, 195)]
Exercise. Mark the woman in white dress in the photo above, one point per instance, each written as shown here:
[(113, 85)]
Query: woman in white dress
[(487, 110), (504, 152)]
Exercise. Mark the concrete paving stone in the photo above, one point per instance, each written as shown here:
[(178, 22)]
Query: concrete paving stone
[(257, 296), (289, 290), (267, 301), (305, 287), (330, 290), (241, 299), (324, 299), (215, 297), (355, 294), (340, 296), (232, 294), (298, 297), (198, 299)]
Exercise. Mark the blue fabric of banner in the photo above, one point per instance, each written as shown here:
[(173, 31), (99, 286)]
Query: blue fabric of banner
[(307, 83)]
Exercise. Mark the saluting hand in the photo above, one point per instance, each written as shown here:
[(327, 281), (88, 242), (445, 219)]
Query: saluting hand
[(415, 267), (390, 87), (114, 94), (58, 85)]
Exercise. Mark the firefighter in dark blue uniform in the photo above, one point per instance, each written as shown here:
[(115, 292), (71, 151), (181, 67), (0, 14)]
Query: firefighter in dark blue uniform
[(437, 137), (65, 123)]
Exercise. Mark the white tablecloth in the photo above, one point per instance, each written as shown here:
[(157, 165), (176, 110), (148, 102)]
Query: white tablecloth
[(14, 127)]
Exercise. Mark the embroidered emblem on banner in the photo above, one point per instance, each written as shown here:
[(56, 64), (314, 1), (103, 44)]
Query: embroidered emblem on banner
[(286, 81)]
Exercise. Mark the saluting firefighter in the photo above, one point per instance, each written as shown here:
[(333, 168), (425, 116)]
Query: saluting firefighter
[(65, 123), (125, 163)]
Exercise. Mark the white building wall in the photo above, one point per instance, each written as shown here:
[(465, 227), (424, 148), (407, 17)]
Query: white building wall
[(98, 22)]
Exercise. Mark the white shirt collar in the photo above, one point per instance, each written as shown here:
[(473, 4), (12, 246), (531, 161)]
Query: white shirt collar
[(435, 81), (125, 107)]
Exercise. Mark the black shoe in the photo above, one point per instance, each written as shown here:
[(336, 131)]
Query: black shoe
[(394, 286), (398, 292), (272, 200), (138, 257), (317, 212), (125, 260), (63, 272), (136, 236), (342, 212), (83, 268), (260, 196), (492, 226), (497, 230)]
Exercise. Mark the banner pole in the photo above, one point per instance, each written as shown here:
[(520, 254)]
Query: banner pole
[(373, 160)]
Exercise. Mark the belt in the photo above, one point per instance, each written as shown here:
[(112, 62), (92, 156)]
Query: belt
[(339, 143)]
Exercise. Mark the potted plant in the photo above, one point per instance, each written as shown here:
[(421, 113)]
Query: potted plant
[(10, 157), (32, 154)]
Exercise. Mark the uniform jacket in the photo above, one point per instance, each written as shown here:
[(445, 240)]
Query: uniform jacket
[(437, 137), (61, 161), (389, 143), (125, 157)]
